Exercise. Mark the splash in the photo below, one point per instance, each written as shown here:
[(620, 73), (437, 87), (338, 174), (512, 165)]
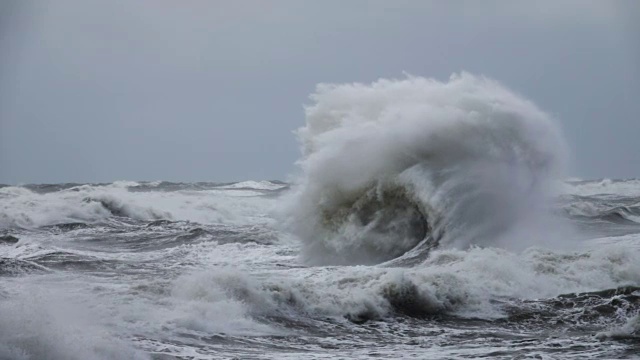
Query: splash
[(394, 164)]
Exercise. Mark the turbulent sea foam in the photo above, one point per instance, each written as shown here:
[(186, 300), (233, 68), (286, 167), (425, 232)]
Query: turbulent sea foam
[(427, 219), (396, 163)]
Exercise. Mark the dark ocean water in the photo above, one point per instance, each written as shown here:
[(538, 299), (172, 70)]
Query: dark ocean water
[(202, 270)]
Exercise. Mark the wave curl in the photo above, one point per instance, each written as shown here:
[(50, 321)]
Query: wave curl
[(397, 163)]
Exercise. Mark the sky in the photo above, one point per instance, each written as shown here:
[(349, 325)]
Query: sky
[(97, 91)]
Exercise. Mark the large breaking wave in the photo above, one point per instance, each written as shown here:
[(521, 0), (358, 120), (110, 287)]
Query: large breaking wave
[(408, 164)]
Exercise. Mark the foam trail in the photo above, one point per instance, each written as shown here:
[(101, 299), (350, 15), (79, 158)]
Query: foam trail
[(391, 164)]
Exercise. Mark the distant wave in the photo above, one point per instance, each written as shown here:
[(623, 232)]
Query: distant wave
[(33, 206), (609, 187)]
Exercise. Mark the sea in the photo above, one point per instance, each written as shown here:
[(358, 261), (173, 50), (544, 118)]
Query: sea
[(424, 220)]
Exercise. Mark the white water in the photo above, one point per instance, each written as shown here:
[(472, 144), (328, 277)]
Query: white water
[(206, 288), (476, 159), (21, 207)]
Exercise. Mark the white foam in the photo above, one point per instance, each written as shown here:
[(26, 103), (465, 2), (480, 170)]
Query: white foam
[(21, 207), (257, 185), (474, 156), (246, 283), (124, 184), (39, 323), (630, 329), (219, 302), (454, 281), (629, 187)]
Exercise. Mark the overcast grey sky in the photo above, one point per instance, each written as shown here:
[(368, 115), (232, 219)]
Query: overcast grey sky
[(211, 90)]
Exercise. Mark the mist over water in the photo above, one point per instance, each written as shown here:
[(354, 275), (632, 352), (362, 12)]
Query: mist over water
[(429, 219)]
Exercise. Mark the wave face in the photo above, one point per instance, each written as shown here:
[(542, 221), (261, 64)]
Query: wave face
[(397, 163)]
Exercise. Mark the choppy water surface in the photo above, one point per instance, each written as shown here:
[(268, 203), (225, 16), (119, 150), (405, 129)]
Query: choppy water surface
[(197, 271), (428, 220)]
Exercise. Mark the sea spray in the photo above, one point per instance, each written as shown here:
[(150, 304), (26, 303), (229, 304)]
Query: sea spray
[(396, 163)]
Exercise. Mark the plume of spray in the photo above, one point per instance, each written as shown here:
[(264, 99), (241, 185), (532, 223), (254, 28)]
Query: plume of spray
[(397, 163)]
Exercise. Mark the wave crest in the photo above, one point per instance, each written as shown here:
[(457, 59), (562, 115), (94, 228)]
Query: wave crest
[(392, 164)]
